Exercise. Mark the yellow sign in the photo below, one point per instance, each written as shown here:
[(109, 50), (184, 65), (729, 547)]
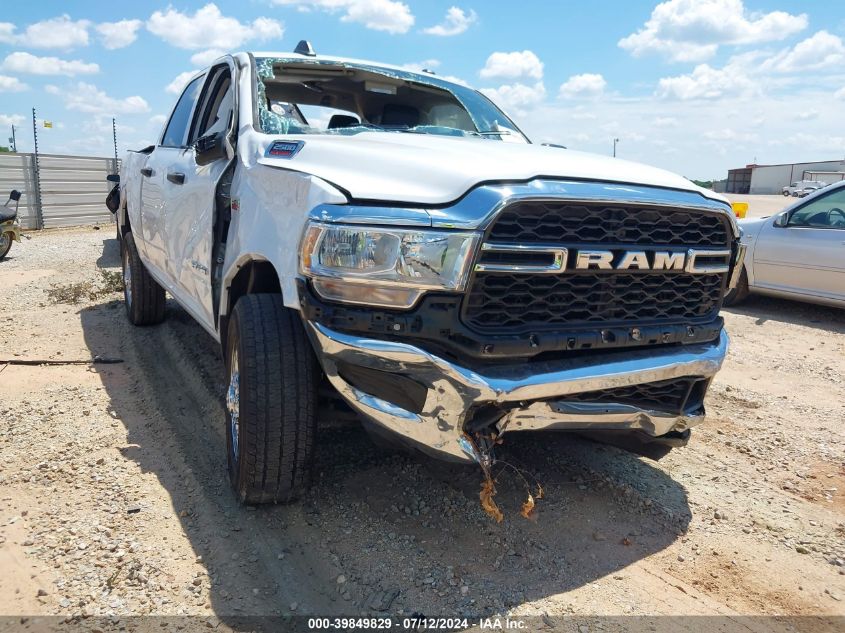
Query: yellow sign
[(740, 209), (48, 124)]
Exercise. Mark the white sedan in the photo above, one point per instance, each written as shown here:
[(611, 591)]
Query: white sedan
[(798, 253)]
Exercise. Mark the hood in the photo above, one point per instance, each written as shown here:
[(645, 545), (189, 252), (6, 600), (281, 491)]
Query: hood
[(435, 170)]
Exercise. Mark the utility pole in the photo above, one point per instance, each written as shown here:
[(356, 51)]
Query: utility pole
[(39, 212), (13, 140), (114, 136), (615, 141)]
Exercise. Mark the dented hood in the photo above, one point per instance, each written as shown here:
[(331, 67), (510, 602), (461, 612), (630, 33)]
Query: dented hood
[(429, 169)]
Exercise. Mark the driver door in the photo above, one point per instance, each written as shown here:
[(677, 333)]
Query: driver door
[(155, 187), (807, 255)]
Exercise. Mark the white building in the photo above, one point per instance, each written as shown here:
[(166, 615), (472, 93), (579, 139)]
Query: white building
[(771, 179)]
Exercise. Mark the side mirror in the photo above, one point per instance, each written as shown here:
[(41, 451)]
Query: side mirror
[(782, 220), (15, 195), (210, 147), (113, 178)]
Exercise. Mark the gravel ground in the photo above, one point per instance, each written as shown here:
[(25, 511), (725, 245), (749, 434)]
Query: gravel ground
[(760, 206), (115, 499)]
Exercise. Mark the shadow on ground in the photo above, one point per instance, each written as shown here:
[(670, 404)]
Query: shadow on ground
[(110, 256), (765, 309), (407, 534)]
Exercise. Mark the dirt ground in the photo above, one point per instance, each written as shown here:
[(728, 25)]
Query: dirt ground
[(115, 499)]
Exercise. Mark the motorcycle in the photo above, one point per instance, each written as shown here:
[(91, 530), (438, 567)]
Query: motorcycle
[(10, 227)]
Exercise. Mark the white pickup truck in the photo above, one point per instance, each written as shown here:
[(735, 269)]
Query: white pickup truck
[(396, 235)]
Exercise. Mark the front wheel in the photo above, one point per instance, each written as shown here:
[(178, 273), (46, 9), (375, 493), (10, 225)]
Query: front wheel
[(270, 401), (5, 243)]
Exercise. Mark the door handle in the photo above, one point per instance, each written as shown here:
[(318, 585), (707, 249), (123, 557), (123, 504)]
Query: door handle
[(146, 171), (176, 178)]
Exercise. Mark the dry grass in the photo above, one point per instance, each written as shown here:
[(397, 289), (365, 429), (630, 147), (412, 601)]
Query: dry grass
[(111, 281)]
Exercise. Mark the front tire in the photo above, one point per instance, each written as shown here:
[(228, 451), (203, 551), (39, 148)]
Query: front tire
[(740, 293), (143, 296), (5, 243), (270, 401)]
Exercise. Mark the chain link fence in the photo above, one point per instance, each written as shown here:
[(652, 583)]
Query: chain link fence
[(60, 190)]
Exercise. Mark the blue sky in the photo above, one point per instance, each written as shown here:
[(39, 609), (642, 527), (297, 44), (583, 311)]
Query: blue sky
[(695, 86)]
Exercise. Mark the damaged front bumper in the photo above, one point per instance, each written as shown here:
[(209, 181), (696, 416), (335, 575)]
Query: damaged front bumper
[(434, 400)]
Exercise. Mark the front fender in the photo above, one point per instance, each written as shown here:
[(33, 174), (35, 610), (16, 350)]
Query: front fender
[(269, 209)]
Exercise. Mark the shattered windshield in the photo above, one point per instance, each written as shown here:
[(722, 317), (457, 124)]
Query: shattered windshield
[(297, 96)]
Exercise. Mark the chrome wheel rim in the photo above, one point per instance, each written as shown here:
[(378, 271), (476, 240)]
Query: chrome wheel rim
[(233, 402), (127, 279)]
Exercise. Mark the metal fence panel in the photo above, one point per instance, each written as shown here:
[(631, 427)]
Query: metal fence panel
[(17, 172), (73, 188)]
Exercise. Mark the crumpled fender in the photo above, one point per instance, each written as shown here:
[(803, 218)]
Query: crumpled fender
[(270, 209)]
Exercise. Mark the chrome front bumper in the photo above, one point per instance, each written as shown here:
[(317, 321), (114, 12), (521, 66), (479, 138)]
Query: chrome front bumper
[(534, 392)]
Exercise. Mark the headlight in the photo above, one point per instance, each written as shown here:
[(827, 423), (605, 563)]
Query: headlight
[(384, 266)]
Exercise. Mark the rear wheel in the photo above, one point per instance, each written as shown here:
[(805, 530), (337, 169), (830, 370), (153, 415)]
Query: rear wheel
[(143, 296), (270, 401), (5, 244), (740, 292)]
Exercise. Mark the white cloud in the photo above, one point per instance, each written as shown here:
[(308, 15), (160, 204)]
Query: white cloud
[(706, 82), (179, 82), (579, 114), (456, 22), (839, 94), (515, 65), (10, 119), (379, 15), (417, 67), (119, 34), (101, 125), (729, 134), (34, 65), (693, 30), (454, 80), (207, 27), (85, 97), (765, 127), (517, 98), (204, 58), (822, 143), (12, 84), (758, 72), (431, 64), (584, 85), (822, 50), (807, 115), (60, 32), (665, 121), (7, 33), (158, 120)]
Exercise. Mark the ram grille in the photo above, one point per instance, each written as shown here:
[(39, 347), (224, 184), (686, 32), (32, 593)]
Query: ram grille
[(518, 301)]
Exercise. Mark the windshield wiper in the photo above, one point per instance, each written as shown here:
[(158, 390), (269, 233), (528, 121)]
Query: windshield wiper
[(436, 130), (495, 133)]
